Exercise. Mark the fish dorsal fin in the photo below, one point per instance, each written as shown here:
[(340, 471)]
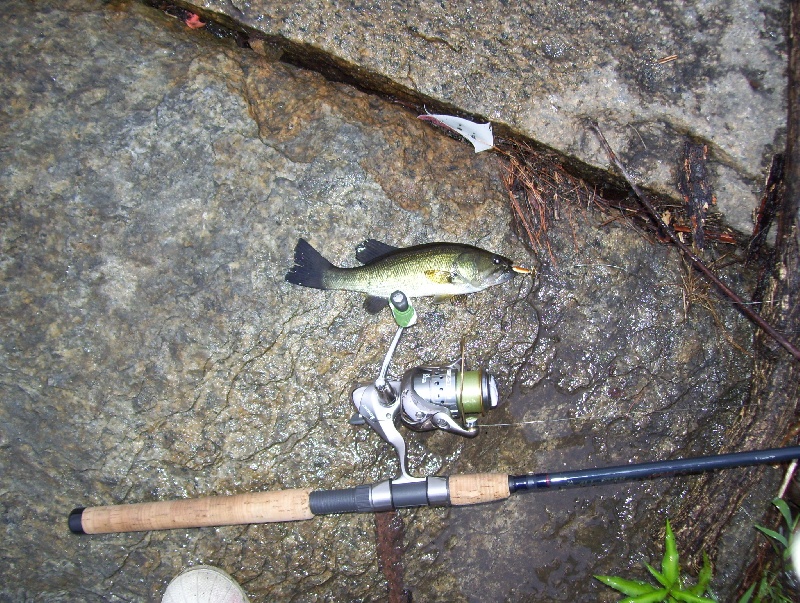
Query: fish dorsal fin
[(371, 250)]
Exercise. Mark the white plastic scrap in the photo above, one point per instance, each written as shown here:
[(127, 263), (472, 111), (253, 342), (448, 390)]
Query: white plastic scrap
[(480, 135), (795, 552)]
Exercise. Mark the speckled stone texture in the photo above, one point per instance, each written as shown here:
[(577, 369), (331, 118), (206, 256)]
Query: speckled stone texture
[(153, 183), (541, 69)]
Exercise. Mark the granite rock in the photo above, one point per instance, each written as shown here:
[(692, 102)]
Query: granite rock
[(153, 183), (542, 69)]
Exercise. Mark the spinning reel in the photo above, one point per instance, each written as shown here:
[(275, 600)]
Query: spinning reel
[(445, 397)]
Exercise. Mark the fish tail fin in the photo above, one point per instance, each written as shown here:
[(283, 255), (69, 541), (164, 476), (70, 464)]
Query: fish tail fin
[(309, 268)]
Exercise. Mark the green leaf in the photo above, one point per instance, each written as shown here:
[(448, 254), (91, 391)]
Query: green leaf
[(687, 597), (654, 597), (669, 564), (764, 589), (774, 535), (627, 587), (703, 578), (748, 594), (784, 509), (658, 576)]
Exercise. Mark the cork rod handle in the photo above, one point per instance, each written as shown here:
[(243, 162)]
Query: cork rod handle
[(239, 509), (477, 488)]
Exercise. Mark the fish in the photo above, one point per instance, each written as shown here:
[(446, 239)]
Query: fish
[(441, 270)]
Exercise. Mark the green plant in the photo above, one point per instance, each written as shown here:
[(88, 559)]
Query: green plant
[(781, 543), (769, 587), (766, 590), (671, 586)]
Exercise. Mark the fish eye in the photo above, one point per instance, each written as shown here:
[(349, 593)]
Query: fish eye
[(497, 260)]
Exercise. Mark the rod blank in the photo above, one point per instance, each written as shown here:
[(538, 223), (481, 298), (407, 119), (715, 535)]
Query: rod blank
[(583, 477)]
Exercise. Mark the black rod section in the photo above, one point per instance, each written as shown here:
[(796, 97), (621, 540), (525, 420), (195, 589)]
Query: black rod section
[(582, 477)]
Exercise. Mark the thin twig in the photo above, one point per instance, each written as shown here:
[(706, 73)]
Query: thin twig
[(787, 479), (696, 261)]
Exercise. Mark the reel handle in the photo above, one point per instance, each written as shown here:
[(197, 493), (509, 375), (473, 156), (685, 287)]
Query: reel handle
[(256, 507)]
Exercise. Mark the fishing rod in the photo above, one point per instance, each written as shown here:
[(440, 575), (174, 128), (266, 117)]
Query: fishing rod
[(455, 490), (445, 397)]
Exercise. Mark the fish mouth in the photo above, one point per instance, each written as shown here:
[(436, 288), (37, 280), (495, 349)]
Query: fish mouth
[(503, 277)]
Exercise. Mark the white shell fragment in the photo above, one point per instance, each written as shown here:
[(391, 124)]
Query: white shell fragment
[(480, 135), (204, 584)]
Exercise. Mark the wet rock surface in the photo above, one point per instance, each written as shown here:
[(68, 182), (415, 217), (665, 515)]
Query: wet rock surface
[(154, 181), (651, 73)]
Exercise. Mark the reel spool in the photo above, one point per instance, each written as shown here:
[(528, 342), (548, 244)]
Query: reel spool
[(428, 391)]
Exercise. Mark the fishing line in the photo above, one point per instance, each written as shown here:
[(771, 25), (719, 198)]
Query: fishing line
[(562, 272), (588, 418), (600, 266)]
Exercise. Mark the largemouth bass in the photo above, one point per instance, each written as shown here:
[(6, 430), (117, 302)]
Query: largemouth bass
[(438, 269)]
